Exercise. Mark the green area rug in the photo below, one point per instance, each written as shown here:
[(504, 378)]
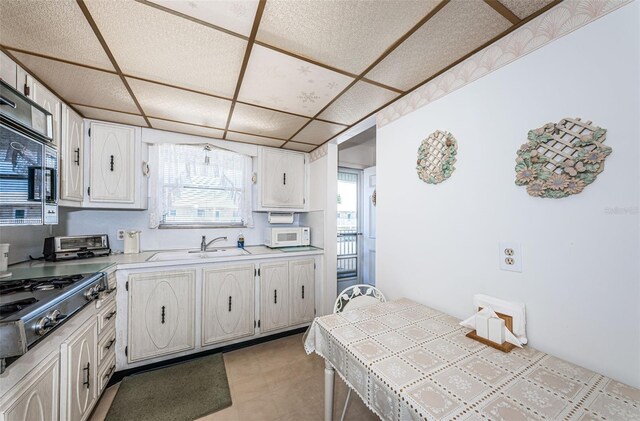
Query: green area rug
[(180, 392)]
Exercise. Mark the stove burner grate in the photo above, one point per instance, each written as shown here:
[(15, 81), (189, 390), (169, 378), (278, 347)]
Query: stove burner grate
[(26, 285), (15, 306)]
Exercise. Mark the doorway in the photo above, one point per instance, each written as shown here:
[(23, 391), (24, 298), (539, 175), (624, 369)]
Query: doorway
[(349, 224)]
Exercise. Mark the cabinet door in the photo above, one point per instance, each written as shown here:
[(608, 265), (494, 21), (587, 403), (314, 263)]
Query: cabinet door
[(274, 296), (111, 165), (227, 303), (8, 70), (36, 397), (44, 98), (283, 175), (302, 291), (161, 313), (71, 158), (79, 373)]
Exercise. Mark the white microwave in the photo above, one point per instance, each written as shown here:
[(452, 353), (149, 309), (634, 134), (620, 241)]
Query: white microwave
[(287, 237)]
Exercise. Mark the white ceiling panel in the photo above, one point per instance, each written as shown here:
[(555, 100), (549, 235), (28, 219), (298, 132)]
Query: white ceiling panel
[(260, 121), (523, 9), (317, 132), (53, 28), (186, 128), (177, 104), (457, 29), (235, 15), (152, 44), (348, 35), (280, 81), (113, 116), (80, 85), (302, 147), (360, 100), (257, 140)]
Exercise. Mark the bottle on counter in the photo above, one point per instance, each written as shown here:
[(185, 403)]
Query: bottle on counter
[(241, 241)]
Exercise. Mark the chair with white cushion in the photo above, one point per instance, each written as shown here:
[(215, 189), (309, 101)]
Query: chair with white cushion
[(356, 296)]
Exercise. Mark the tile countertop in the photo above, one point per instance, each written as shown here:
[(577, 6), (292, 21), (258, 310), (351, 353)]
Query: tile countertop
[(40, 268)]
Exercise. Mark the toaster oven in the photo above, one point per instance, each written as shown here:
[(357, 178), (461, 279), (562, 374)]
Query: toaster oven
[(76, 247)]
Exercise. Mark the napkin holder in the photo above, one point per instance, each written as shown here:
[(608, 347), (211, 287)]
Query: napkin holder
[(505, 346)]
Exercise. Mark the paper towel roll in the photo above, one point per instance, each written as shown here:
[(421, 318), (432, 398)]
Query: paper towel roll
[(280, 217)]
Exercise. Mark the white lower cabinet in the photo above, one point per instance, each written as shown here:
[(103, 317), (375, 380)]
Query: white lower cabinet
[(302, 286), (274, 296), (79, 373), (161, 313), (36, 397)]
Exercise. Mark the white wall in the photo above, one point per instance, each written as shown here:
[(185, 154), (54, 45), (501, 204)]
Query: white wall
[(322, 202), (25, 241), (581, 274)]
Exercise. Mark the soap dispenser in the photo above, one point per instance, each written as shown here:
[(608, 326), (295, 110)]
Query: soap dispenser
[(241, 241)]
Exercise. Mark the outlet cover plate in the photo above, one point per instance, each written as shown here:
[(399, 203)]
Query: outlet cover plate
[(121, 234), (510, 256)]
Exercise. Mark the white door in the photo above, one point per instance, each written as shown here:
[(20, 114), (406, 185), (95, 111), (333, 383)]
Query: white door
[(79, 373), (8, 70), (274, 296), (284, 179), (369, 226), (227, 303), (301, 291), (112, 161), (44, 98), (71, 157), (38, 401), (161, 313)]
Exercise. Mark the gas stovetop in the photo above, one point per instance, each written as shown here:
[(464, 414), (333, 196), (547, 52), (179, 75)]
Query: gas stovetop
[(31, 308)]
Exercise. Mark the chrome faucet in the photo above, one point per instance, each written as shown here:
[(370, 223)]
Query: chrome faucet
[(204, 245)]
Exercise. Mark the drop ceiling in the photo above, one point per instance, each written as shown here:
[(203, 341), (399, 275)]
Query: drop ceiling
[(280, 73)]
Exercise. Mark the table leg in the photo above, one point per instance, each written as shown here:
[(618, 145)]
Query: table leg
[(329, 375)]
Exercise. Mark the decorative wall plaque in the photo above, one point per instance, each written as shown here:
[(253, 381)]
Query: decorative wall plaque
[(561, 159), (436, 157)]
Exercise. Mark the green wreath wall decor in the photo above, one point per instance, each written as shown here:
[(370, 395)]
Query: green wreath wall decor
[(561, 159), (436, 156)]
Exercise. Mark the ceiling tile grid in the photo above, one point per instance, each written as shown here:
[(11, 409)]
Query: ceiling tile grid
[(317, 132), (236, 16), (186, 128), (156, 45), (177, 104), (265, 122), (302, 147), (54, 28), (257, 140), (361, 99), (80, 85), (523, 9), (286, 83), (112, 116), (348, 35), (457, 29)]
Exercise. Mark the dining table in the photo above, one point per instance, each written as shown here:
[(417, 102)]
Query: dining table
[(407, 361)]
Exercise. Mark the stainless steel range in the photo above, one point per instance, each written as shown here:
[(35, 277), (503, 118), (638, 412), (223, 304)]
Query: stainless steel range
[(31, 308)]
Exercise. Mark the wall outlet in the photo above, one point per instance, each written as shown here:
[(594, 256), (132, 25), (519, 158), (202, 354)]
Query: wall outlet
[(121, 234), (510, 257)]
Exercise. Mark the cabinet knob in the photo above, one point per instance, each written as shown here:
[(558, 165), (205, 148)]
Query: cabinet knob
[(229, 302), (275, 296), (162, 314), (111, 163)]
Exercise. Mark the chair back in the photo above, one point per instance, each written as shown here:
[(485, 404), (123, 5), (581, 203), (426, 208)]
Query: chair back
[(357, 296)]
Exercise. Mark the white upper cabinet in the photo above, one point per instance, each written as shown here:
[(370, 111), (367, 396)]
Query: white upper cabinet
[(71, 156), (8, 70), (282, 180), (112, 163), (227, 303), (114, 166), (44, 98)]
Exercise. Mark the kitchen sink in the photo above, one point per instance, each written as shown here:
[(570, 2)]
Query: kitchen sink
[(196, 254)]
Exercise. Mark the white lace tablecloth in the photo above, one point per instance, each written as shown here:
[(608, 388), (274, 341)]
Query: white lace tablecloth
[(407, 361)]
